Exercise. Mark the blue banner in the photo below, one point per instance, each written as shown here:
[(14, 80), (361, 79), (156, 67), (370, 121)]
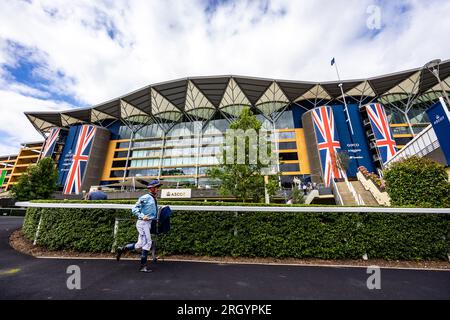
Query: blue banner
[(355, 145), (439, 116)]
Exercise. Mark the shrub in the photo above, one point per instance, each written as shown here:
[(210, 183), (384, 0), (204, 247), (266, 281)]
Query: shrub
[(254, 234), (419, 182)]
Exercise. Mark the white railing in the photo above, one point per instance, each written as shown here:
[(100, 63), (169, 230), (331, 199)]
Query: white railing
[(233, 209), (336, 190), (358, 199)]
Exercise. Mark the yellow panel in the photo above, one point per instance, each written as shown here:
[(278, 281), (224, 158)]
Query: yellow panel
[(290, 161), (285, 130), (302, 152), (285, 151), (292, 173), (403, 135), (109, 159), (287, 140), (394, 125)]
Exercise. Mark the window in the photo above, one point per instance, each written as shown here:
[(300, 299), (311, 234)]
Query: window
[(119, 164), (146, 153), (145, 163), (216, 126), (208, 160), (287, 145), (120, 154), (121, 145), (116, 174), (179, 161), (147, 144), (285, 121), (400, 130), (402, 141), (289, 156), (178, 171), (286, 135), (143, 172), (289, 167)]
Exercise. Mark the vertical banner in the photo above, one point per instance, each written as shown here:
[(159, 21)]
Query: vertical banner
[(50, 143), (79, 157), (384, 138), (2, 177), (327, 143), (439, 116)]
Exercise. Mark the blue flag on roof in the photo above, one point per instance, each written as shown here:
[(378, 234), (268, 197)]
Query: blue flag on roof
[(332, 61)]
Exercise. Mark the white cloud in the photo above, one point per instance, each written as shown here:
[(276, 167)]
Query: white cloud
[(157, 41)]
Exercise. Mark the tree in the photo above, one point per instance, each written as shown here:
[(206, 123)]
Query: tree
[(39, 182), (419, 182), (297, 196), (240, 172)]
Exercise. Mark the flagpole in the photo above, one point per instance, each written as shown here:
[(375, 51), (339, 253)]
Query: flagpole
[(343, 96)]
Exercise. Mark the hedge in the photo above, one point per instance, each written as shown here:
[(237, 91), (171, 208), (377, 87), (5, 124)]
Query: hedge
[(253, 234)]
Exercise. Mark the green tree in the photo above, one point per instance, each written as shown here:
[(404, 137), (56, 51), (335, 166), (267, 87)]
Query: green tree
[(39, 182), (297, 196), (418, 182), (243, 179)]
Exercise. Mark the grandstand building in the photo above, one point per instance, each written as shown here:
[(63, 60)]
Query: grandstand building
[(174, 130)]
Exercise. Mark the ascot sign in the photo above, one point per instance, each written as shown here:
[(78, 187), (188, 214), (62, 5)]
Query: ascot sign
[(175, 193)]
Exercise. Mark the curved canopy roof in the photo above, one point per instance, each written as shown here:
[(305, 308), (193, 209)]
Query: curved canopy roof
[(202, 97)]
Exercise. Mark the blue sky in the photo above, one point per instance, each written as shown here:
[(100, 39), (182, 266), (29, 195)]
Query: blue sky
[(57, 55)]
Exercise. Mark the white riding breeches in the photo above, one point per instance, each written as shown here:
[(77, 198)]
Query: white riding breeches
[(144, 238)]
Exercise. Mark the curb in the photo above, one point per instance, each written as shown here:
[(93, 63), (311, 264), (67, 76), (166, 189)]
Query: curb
[(339, 266)]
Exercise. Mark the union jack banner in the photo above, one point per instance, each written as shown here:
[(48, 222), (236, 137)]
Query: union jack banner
[(50, 143), (79, 159), (327, 143), (383, 135)]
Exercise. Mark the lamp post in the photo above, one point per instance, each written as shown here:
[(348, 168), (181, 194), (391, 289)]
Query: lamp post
[(433, 67)]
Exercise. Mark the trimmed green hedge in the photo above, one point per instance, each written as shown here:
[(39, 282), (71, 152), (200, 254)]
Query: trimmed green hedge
[(253, 234)]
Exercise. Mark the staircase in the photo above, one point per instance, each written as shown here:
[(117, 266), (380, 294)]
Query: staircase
[(346, 195), (367, 196), (349, 200)]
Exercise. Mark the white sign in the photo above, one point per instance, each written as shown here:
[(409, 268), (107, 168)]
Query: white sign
[(175, 193)]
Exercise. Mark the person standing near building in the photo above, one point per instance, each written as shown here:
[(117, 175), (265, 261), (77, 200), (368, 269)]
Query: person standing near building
[(97, 194), (146, 210)]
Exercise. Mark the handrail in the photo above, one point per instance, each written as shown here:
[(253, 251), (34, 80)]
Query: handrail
[(357, 197), (233, 209)]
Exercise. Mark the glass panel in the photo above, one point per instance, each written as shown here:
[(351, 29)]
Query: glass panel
[(285, 121), (185, 129), (289, 156), (149, 131), (286, 135), (116, 174), (289, 167), (143, 172), (124, 132), (178, 171), (119, 164), (400, 130), (216, 126), (120, 154), (287, 145), (121, 145), (147, 144), (402, 141)]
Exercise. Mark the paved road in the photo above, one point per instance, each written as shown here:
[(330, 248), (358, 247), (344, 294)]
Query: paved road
[(25, 277)]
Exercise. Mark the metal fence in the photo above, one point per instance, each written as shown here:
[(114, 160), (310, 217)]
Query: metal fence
[(233, 209)]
